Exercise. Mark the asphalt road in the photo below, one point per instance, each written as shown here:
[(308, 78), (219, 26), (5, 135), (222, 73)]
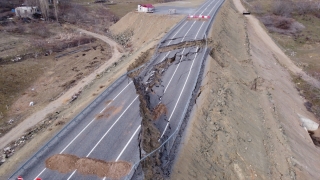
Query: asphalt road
[(114, 136)]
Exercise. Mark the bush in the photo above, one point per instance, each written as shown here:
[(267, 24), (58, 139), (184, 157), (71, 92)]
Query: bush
[(40, 30), (282, 8), (14, 28), (281, 24)]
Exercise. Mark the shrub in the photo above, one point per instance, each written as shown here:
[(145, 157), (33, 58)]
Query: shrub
[(282, 25), (282, 8)]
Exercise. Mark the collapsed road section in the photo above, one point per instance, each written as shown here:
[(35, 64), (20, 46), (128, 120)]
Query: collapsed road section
[(167, 88), (165, 91)]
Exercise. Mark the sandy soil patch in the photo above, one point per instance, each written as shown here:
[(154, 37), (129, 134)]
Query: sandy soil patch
[(145, 27), (62, 163), (65, 163), (109, 112)]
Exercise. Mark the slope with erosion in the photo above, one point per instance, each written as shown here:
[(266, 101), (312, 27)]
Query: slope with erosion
[(144, 27), (246, 122)]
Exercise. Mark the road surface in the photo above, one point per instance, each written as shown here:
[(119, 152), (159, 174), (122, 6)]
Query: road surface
[(110, 130)]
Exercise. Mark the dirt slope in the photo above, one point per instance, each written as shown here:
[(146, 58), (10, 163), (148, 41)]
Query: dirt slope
[(145, 27), (245, 124)]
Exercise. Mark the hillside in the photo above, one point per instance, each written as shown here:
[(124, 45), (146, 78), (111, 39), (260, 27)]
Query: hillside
[(247, 121)]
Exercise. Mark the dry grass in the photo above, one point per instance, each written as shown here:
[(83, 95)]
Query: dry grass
[(285, 20), (310, 93)]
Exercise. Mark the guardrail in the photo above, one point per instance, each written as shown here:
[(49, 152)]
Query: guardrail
[(98, 100), (169, 142)]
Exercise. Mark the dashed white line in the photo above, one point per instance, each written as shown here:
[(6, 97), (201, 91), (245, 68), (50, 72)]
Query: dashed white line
[(107, 132), (187, 76), (85, 127), (125, 147), (179, 96)]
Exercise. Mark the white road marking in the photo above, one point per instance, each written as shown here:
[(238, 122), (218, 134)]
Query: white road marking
[(179, 96), (86, 127), (115, 97), (137, 96), (106, 132), (40, 173), (187, 76), (126, 145)]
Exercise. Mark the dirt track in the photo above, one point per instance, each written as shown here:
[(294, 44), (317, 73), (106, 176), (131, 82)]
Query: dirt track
[(16, 132), (245, 124)]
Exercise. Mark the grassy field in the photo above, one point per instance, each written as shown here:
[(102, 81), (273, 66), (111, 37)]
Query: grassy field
[(301, 46)]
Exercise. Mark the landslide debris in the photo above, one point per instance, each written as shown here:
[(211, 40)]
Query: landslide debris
[(65, 163), (142, 59), (184, 44), (149, 134)]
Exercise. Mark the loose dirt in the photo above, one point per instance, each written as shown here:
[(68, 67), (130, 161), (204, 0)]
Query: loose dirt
[(109, 112), (65, 163), (145, 27), (245, 124), (62, 163), (89, 85)]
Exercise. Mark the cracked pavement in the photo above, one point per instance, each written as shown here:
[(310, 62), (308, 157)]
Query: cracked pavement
[(118, 136)]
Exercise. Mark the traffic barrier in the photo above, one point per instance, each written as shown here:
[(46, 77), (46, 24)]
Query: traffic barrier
[(198, 17)]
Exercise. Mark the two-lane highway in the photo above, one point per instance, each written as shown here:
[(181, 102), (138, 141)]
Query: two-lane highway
[(110, 131)]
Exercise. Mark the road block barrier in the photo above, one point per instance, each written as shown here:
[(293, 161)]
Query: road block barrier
[(198, 17)]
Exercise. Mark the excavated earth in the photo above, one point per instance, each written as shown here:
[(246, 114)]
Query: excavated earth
[(246, 122)]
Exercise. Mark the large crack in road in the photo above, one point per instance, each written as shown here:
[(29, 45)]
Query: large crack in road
[(150, 89)]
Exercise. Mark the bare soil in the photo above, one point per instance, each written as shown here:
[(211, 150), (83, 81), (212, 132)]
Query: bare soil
[(245, 124), (65, 163), (145, 27), (109, 112), (90, 87), (62, 163)]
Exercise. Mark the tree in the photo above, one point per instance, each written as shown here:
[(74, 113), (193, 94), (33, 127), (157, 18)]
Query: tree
[(56, 10), (44, 8)]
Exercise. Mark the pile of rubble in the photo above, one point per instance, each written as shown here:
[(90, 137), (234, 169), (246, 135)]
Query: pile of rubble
[(8, 151), (123, 38)]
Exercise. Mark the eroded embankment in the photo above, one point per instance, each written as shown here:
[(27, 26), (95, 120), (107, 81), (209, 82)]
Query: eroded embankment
[(144, 27), (150, 134), (150, 88), (246, 124)]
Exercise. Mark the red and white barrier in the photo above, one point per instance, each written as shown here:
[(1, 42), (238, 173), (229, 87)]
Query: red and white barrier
[(20, 178), (198, 17)]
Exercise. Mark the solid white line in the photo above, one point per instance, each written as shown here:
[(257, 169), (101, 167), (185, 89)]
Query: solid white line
[(111, 127), (179, 95), (92, 120), (187, 76), (86, 126), (176, 33), (40, 173), (201, 7), (128, 143), (179, 60), (115, 97), (106, 133), (72, 174)]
